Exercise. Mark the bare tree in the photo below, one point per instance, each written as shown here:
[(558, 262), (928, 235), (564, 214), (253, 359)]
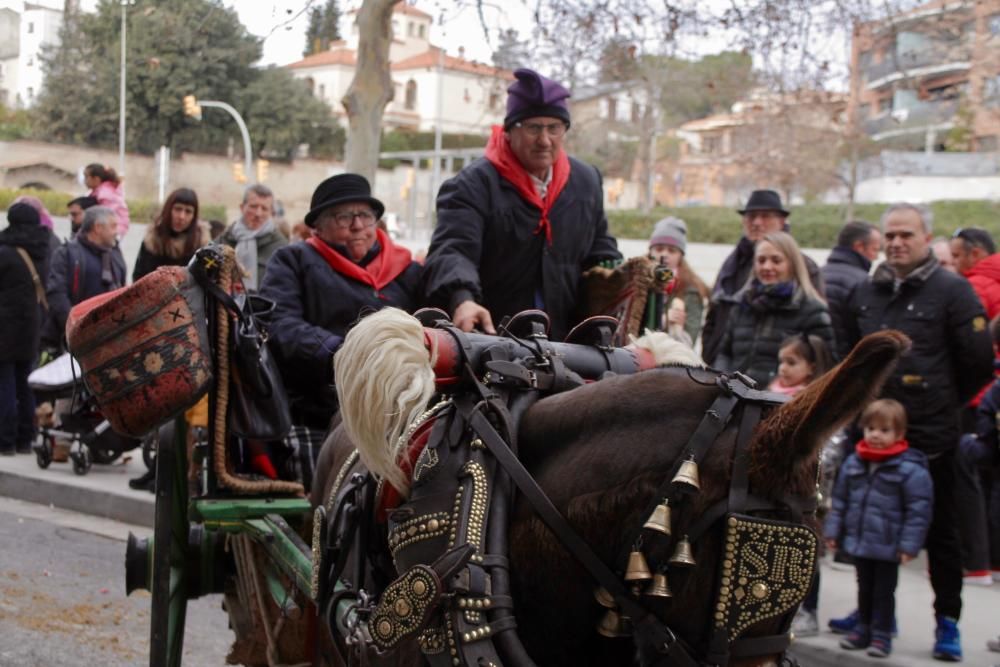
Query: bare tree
[(371, 89)]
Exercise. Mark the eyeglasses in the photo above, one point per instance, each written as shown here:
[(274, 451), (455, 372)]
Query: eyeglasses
[(345, 219), (534, 130)]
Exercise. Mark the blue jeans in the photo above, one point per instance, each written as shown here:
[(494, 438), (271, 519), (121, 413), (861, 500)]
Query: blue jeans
[(877, 595), (17, 406)]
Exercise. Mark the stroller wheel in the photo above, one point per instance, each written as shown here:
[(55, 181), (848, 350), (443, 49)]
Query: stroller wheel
[(43, 452), (81, 461), (149, 450)]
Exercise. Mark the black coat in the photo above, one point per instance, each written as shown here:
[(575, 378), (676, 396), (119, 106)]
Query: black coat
[(485, 247), (75, 276), (952, 354), (314, 307), (753, 337), (20, 314), (844, 270), (733, 276)]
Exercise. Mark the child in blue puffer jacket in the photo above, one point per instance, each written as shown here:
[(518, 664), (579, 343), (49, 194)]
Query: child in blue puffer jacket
[(881, 511)]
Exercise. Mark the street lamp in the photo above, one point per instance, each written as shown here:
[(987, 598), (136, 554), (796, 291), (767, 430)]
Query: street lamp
[(192, 108), (121, 94)]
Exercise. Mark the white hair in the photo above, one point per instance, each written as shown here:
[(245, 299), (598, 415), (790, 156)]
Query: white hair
[(385, 378)]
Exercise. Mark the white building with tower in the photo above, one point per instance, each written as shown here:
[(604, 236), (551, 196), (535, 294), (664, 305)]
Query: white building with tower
[(469, 97)]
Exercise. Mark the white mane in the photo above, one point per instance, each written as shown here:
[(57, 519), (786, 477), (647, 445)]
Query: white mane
[(667, 351)]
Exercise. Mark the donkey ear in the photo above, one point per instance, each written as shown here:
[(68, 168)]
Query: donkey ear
[(796, 430)]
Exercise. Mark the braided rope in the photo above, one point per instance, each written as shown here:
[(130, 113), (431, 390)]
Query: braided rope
[(221, 459)]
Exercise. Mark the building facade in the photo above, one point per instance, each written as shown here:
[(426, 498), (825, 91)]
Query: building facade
[(929, 79), (431, 87), (26, 30)]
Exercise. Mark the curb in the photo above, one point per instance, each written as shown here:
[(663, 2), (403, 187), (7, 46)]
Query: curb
[(135, 510)]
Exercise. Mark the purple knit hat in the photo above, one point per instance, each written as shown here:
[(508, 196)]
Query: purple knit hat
[(535, 95)]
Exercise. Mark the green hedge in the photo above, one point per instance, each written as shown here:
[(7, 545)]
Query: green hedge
[(139, 210), (814, 225)]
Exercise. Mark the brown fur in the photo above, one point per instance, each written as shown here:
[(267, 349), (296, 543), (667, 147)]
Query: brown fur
[(601, 451)]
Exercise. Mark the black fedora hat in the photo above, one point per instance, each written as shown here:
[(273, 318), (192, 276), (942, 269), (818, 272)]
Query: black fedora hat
[(764, 200), (341, 189)]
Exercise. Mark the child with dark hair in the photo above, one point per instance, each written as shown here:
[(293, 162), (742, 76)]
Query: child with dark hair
[(801, 359), (106, 187), (881, 512)]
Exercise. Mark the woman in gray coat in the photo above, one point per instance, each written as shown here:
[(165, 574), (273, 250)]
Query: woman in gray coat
[(777, 302)]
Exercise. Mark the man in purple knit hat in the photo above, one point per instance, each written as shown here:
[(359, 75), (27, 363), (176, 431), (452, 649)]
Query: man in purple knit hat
[(517, 228)]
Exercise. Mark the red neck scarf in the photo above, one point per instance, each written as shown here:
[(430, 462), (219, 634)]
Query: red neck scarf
[(499, 153), (391, 261), (868, 453)]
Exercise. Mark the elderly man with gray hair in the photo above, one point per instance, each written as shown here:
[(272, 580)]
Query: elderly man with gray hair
[(255, 234), (951, 359), (89, 264)]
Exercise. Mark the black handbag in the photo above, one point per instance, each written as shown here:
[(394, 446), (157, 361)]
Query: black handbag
[(258, 402)]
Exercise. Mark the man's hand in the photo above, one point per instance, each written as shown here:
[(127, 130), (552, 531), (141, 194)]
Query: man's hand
[(904, 558), (470, 315)]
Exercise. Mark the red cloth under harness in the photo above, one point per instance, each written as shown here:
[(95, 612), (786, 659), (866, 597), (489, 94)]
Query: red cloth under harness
[(499, 153), (385, 267)]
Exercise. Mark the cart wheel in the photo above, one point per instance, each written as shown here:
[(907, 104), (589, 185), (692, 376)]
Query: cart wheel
[(81, 461), (43, 452), (170, 543), (149, 450)]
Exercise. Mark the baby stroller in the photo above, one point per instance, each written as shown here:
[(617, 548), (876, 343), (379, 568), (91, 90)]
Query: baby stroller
[(88, 432)]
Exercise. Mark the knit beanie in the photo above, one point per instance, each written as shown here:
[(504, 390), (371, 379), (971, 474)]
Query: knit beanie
[(535, 95), (670, 231), (22, 214)]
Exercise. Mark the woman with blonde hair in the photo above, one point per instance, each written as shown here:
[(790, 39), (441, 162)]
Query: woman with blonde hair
[(778, 301)]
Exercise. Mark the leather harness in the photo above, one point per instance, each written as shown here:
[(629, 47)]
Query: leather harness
[(474, 628)]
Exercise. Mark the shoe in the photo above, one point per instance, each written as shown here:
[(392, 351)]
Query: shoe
[(880, 647), (146, 482), (805, 624), (859, 638), (843, 626), (947, 643), (993, 645), (977, 578)]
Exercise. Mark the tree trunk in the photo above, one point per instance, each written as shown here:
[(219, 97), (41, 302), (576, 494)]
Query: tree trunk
[(371, 88)]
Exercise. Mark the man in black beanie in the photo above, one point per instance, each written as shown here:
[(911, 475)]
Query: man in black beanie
[(517, 228)]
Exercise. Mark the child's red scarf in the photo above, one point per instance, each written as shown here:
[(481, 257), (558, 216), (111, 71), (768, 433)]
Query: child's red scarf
[(868, 453), (391, 261), (499, 153)]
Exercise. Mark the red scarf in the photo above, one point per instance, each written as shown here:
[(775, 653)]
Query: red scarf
[(866, 452), (391, 261), (499, 153)]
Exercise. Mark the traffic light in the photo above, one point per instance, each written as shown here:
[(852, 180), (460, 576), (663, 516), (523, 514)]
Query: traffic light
[(238, 174), (191, 107), (262, 165)]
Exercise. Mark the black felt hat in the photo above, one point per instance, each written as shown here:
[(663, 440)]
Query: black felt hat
[(764, 200), (22, 214), (341, 189)]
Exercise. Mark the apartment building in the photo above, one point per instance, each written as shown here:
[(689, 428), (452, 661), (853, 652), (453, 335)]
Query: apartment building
[(929, 79)]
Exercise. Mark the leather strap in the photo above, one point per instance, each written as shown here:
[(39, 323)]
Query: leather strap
[(39, 287)]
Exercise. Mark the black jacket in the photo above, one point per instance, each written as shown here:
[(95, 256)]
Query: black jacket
[(753, 336), (952, 354), (20, 314), (314, 307), (733, 276), (485, 246), (844, 270), (75, 276)]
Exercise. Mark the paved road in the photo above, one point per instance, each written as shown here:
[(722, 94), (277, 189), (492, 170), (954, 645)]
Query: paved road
[(62, 596)]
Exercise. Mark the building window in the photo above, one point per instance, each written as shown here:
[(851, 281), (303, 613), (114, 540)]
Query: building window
[(612, 108), (411, 95), (410, 29), (31, 27), (422, 31), (31, 93), (711, 145)]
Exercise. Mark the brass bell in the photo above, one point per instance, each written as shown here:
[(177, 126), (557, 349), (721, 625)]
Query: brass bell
[(638, 569), (682, 554), (604, 598), (613, 625), (659, 520), (688, 474), (659, 588)]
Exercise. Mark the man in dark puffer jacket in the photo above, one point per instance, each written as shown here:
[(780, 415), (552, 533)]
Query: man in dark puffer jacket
[(858, 245), (950, 360)]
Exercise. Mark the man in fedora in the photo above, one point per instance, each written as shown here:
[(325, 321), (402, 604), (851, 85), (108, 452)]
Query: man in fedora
[(320, 286), (763, 214), (517, 228)]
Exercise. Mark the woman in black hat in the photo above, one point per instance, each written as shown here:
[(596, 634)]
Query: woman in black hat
[(347, 268)]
